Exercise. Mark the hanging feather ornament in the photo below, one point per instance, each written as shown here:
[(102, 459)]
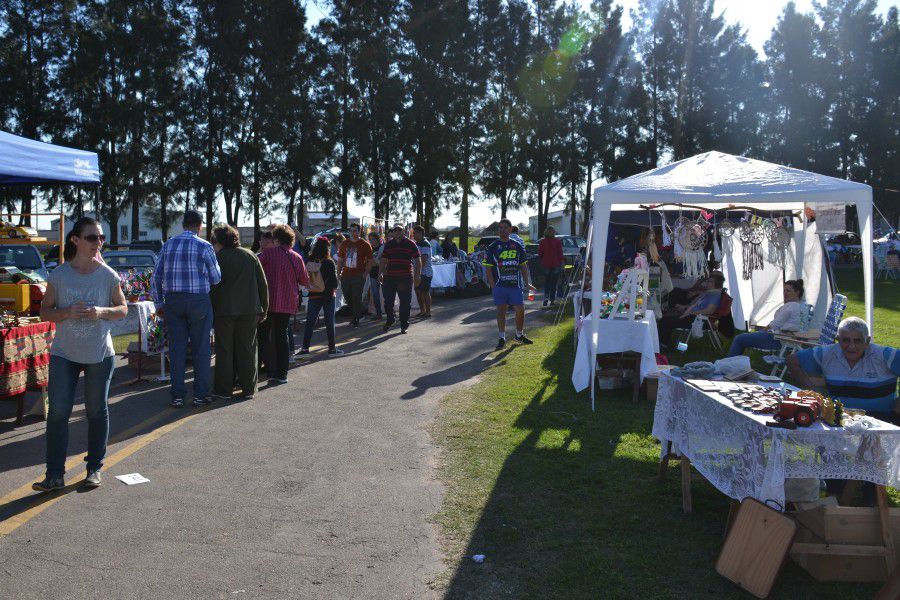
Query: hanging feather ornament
[(717, 249), (779, 241), (692, 237), (726, 228), (651, 246), (752, 235)]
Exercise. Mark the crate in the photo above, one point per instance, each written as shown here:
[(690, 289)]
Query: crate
[(652, 382), (857, 527)]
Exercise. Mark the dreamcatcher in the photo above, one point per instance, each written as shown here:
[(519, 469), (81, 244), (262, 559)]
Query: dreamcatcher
[(752, 235), (691, 236), (779, 237)]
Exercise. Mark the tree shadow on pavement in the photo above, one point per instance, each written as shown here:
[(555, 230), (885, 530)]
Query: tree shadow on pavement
[(454, 373)]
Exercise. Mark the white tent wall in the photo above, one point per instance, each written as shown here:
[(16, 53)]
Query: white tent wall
[(714, 178)]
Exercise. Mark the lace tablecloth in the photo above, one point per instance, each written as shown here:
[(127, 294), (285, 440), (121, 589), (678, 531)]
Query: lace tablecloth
[(138, 312), (616, 335), (742, 457)]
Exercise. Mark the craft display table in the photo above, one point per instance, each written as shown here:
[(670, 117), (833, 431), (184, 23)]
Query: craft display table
[(742, 457), (26, 361), (444, 275), (617, 336)]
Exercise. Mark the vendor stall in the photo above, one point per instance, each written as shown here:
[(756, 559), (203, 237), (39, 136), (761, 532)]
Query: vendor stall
[(26, 361), (719, 181)]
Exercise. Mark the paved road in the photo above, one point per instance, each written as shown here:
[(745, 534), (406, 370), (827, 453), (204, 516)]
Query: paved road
[(319, 488)]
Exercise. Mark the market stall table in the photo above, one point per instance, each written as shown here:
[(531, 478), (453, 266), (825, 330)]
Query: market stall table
[(26, 361), (614, 336), (444, 275), (742, 457)]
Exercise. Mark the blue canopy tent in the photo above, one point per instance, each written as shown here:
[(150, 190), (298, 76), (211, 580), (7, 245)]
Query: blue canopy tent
[(29, 162)]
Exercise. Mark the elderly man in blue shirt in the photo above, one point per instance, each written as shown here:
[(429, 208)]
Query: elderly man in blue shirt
[(184, 273), (859, 373)]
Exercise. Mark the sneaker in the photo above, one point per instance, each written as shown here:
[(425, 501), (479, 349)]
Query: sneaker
[(303, 352), (354, 323), (387, 325), (177, 403), (545, 303), (247, 397), (93, 479), (500, 344), (201, 401), (403, 329), (523, 340), (49, 484), (277, 381), (336, 352)]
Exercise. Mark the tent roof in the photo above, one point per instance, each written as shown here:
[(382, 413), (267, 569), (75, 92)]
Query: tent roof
[(725, 179), (29, 161)]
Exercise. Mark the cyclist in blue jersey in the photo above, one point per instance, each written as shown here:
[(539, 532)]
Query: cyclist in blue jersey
[(507, 275)]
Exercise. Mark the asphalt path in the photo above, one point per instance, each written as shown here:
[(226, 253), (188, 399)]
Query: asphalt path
[(320, 488)]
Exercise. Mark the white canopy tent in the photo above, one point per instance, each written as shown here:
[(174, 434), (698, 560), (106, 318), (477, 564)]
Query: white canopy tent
[(718, 181)]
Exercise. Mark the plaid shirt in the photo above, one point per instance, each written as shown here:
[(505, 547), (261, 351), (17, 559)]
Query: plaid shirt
[(186, 264)]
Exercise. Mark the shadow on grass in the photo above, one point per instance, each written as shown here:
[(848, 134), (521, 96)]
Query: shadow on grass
[(576, 510)]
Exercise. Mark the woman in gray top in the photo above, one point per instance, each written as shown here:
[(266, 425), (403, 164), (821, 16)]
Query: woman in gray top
[(83, 296)]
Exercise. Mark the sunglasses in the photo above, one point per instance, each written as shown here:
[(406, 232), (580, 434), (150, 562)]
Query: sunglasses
[(93, 237)]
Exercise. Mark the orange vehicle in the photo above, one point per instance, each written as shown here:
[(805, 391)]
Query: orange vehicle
[(802, 410)]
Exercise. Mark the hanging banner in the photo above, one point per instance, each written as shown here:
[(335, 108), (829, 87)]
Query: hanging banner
[(831, 218)]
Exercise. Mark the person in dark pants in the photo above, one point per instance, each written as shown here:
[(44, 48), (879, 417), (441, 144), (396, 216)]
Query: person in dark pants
[(185, 272), (374, 283), (551, 255), (322, 283), (401, 268), (285, 273), (354, 255), (262, 330), (240, 303)]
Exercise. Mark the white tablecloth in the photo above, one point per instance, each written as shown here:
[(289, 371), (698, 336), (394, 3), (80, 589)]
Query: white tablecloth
[(616, 335), (138, 312), (742, 457), (444, 275)]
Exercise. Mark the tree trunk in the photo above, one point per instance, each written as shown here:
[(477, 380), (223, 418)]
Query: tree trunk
[(135, 208), (573, 208), (256, 200), (542, 218)]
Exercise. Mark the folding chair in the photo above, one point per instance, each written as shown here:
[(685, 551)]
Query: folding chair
[(828, 334), (710, 323)]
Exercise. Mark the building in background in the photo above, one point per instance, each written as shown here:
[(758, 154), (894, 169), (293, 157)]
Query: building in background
[(560, 220)]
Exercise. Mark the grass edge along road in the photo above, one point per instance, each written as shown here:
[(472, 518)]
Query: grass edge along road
[(565, 503)]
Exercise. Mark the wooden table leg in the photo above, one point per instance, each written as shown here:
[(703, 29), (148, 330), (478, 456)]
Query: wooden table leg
[(890, 557), (20, 410), (686, 485), (636, 395), (664, 462)]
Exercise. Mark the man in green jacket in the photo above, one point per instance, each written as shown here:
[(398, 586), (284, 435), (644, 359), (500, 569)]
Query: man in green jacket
[(240, 302)]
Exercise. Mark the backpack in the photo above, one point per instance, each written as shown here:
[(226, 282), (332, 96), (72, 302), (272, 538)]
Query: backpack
[(316, 282)]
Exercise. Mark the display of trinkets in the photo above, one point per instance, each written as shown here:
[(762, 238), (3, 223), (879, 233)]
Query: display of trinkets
[(755, 398)]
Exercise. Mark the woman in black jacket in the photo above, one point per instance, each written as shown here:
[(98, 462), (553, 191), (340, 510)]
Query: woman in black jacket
[(322, 283)]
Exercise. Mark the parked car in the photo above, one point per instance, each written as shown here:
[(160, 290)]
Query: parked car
[(23, 257), (140, 261), (154, 246)]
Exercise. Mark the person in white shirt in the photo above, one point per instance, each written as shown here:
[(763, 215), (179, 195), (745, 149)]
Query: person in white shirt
[(787, 318)]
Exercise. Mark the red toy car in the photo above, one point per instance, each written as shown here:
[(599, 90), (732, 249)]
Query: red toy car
[(803, 411)]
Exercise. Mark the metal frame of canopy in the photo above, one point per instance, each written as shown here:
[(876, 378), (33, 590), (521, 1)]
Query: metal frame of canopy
[(811, 189)]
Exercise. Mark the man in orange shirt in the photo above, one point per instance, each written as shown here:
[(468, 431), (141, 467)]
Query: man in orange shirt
[(353, 256)]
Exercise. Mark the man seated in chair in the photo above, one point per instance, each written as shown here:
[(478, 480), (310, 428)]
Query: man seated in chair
[(858, 373), (706, 303)]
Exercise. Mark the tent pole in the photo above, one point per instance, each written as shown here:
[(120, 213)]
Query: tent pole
[(864, 216), (598, 258)]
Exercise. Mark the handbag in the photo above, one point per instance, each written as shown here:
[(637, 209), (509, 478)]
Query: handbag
[(316, 281)]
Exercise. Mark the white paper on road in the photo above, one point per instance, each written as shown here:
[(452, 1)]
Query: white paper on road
[(132, 478)]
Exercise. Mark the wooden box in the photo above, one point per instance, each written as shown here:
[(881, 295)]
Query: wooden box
[(857, 527), (652, 382)]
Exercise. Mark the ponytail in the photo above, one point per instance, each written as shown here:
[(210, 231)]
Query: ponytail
[(69, 248)]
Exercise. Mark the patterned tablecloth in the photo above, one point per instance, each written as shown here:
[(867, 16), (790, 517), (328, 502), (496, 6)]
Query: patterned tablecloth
[(26, 358), (742, 457)]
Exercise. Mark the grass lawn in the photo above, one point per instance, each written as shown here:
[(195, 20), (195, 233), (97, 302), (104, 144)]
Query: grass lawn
[(565, 503), (120, 342)]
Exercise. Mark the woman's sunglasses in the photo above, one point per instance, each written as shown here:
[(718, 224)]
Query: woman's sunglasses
[(93, 237)]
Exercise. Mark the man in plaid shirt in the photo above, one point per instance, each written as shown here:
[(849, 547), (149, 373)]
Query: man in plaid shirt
[(184, 272)]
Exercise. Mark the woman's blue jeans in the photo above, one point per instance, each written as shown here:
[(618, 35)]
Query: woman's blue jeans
[(551, 282), (763, 340), (61, 389), (375, 289), (317, 303)]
